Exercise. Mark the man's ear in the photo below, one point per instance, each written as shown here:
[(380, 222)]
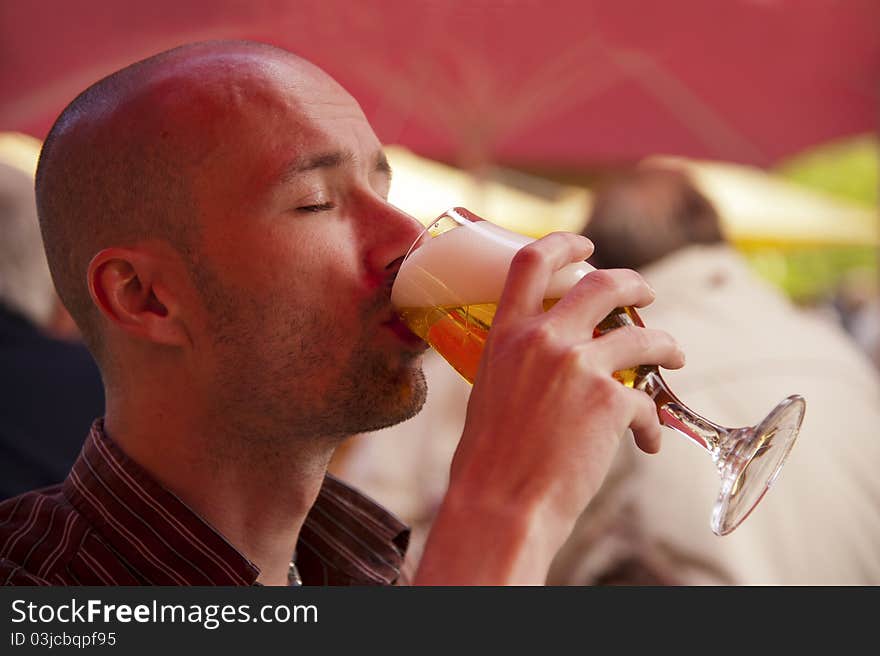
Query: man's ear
[(129, 286)]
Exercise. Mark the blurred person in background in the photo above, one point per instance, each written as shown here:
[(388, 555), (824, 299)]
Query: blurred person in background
[(746, 343), (50, 388)]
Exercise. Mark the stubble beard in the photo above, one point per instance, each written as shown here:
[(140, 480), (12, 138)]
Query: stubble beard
[(374, 395), (265, 382)]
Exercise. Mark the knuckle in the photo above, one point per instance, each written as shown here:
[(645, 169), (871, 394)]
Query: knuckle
[(632, 280), (576, 358), (601, 278), (639, 339), (631, 277), (606, 392), (528, 257), (667, 340), (644, 340), (666, 346), (538, 336), (625, 282), (636, 277)]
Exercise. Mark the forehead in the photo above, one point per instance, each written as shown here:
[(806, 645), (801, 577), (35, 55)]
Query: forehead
[(263, 113)]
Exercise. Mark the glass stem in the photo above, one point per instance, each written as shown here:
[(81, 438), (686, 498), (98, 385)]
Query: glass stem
[(677, 416)]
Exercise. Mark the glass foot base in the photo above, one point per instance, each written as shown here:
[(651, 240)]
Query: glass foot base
[(750, 460)]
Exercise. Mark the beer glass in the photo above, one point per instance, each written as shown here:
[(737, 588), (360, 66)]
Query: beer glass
[(447, 289)]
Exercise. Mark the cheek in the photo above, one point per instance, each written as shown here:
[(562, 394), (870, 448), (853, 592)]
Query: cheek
[(316, 290), (303, 273), (318, 259)]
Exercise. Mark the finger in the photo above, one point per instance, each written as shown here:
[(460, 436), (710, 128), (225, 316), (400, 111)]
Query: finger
[(600, 292), (531, 269), (632, 346), (645, 424)]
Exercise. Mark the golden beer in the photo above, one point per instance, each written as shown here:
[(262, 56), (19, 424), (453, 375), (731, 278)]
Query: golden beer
[(458, 333)]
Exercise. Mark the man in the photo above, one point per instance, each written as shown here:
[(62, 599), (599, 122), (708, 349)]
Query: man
[(50, 389), (215, 219)]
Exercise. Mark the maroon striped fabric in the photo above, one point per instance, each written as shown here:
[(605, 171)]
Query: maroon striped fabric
[(110, 523)]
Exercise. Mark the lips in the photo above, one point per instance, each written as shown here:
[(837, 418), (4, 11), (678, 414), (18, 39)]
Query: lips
[(399, 328)]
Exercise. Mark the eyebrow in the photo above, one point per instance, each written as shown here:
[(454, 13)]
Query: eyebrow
[(329, 160)]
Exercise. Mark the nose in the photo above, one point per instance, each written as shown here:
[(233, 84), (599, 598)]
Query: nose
[(391, 233)]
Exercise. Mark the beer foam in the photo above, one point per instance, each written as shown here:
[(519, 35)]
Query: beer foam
[(467, 266)]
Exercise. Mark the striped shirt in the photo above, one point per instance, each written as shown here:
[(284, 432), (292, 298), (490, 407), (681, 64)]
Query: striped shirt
[(111, 523)]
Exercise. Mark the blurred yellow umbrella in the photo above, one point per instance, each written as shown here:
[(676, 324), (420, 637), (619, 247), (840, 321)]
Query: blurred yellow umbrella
[(533, 206), (20, 151), (757, 209), (763, 209)]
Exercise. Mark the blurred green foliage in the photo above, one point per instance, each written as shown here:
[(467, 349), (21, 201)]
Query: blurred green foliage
[(848, 169), (810, 275)]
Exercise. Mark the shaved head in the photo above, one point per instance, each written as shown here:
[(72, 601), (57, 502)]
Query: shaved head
[(120, 164)]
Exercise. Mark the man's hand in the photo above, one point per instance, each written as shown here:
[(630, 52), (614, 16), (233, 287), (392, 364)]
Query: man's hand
[(544, 419)]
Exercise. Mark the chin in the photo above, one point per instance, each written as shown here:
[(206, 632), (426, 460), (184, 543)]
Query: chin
[(404, 399)]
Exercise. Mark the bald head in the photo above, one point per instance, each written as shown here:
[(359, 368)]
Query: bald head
[(121, 164)]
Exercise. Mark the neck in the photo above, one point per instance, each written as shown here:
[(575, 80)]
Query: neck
[(255, 490)]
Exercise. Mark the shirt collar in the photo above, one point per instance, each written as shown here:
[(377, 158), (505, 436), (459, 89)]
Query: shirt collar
[(349, 539), (346, 538)]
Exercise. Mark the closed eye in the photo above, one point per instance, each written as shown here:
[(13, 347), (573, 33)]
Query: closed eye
[(323, 207)]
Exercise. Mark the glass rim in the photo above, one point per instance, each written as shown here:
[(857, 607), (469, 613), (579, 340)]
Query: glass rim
[(457, 214)]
